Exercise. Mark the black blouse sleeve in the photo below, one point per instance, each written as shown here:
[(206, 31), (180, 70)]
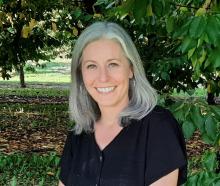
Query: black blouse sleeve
[(166, 148), (66, 158)]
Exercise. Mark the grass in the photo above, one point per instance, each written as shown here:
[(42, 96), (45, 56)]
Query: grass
[(34, 169), (29, 169), (34, 115), (44, 78), (30, 92), (56, 71)]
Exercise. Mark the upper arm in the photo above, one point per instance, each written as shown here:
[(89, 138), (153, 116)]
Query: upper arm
[(60, 183), (165, 151), (168, 180)]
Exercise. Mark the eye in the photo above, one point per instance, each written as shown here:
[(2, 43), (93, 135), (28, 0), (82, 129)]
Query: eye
[(91, 66), (113, 65)]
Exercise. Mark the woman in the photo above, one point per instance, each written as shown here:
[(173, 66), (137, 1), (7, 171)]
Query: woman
[(121, 138)]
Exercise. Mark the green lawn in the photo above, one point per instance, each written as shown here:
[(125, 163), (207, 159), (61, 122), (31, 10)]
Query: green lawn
[(30, 92), (56, 71), (21, 169)]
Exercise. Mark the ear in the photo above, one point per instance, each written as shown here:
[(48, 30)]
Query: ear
[(131, 73)]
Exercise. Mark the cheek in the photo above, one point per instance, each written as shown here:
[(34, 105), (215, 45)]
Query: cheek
[(124, 76), (88, 78)]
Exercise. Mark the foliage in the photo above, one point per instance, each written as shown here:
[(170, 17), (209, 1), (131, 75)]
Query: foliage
[(195, 114), (24, 33), (29, 29), (178, 40), (29, 169), (207, 175)]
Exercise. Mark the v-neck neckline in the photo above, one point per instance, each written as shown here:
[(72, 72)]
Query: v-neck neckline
[(114, 140)]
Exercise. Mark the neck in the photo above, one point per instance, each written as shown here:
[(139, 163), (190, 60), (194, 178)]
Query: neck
[(110, 115)]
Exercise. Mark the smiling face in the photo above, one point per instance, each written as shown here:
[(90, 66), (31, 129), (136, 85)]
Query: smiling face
[(106, 73)]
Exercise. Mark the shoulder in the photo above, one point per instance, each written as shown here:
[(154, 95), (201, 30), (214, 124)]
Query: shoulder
[(160, 115), (159, 112), (161, 120), (72, 138)]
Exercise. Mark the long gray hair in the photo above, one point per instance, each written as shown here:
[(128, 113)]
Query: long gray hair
[(142, 97)]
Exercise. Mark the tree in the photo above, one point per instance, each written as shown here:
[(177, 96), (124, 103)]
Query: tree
[(29, 30), (24, 32), (178, 40)]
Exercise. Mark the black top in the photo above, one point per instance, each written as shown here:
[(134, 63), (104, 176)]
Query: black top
[(140, 154)]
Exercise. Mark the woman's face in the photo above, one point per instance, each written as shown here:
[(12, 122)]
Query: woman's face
[(106, 73)]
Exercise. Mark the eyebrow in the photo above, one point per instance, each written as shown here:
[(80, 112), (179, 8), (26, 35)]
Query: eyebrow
[(93, 61), (89, 60), (117, 59)]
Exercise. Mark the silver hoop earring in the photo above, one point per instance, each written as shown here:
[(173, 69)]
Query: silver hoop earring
[(80, 89), (134, 82)]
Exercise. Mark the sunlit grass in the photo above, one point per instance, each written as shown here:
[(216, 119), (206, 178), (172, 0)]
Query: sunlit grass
[(34, 92), (41, 77), (55, 71)]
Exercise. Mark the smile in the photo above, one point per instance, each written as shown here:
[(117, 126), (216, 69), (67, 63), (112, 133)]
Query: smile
[(105, 89)]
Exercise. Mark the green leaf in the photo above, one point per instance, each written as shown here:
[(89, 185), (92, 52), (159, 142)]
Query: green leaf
[(188, 129), (126, 7), (159, 7), (197, 26), (212, 29), (211, 127), (214, 58), (139, 11), (187, 44), (209, 161), (149, 10), (183, 30), (178, 111), (197, 118), (200, 12), (216, 111), (191, 52), (77, 13), (218, 182), (14, 181), (170, 24), (190, 91), (207, 139), (165, 76), (192, 180)]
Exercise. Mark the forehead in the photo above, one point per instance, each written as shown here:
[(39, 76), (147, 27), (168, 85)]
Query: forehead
[(103, 46)]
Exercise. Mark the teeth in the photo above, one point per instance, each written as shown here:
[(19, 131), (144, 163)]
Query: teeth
[(105, 90)]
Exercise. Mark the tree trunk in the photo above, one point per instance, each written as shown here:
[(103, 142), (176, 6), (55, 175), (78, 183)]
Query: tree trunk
[(210, 99), (21, 73)]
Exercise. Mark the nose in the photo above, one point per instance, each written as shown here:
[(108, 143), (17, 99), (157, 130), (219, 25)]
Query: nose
[(103, 74)]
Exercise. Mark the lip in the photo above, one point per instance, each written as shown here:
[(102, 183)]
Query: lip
[(105, 90)]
